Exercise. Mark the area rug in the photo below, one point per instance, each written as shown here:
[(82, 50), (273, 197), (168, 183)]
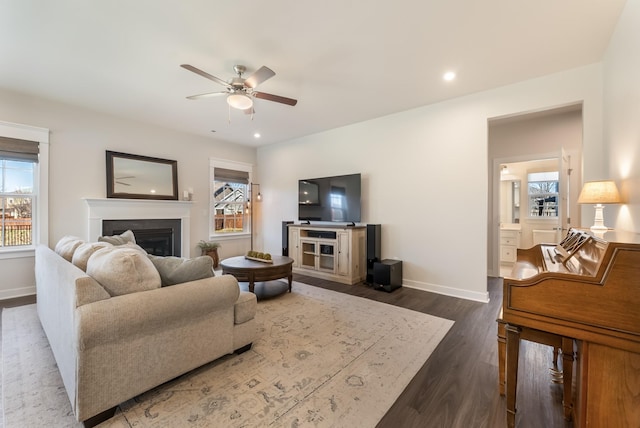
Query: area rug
[(322, 359)]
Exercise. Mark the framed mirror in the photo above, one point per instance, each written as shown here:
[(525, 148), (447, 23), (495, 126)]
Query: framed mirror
[(141, 177)]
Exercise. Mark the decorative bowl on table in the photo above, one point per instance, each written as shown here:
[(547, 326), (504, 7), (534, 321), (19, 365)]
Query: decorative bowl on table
[(258, 256)]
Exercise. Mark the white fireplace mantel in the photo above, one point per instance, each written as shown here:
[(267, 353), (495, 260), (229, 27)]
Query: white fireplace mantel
[(136, 209)]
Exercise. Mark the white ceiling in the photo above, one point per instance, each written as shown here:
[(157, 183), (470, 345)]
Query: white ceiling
[(345, 61)]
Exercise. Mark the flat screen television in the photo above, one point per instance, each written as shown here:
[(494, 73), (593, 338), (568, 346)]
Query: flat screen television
[(335, 199)]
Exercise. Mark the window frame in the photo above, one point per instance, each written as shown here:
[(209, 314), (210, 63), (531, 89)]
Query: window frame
[(40, 195), (530, 195), (237, 166)]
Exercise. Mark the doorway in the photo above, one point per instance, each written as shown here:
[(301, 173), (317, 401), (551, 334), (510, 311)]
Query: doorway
[(544, 141)]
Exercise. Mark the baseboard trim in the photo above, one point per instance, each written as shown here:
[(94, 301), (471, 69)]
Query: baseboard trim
[(448, 291), (17, 292)]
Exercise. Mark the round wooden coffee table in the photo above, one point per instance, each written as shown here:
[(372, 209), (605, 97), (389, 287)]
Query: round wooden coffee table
[(250, 271)]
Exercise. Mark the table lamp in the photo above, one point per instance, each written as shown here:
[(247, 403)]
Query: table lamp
[(599, 193)]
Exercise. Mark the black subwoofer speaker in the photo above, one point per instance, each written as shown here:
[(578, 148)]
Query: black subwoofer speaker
[(285, 237), (387, 275), (373, 249)]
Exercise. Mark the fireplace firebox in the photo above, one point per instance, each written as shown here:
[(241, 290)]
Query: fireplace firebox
[(160, 237)]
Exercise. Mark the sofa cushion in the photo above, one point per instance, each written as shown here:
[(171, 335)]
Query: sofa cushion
[(84, 251), (176, 270), (123, 270), (125, 237), (67, 245), (245, 307)]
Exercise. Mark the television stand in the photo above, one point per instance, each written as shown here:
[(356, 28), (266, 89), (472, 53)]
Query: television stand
[(335, 253)]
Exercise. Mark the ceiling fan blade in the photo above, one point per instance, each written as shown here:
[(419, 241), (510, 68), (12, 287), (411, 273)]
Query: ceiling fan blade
[(276, 98), (207, 95), (204, 74), (262, 74)]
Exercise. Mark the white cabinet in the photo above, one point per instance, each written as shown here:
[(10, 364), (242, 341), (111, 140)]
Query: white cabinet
[(508, 254), (343, 253), (333, 253), (509, 243), (294, 236), (318, 254)]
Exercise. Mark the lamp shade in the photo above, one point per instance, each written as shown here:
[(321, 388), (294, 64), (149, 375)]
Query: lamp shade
[(599, 192), (239, 101)]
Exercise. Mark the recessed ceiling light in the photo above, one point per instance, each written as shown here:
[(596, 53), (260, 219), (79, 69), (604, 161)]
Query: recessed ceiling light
[(256, 135), (449, 76)]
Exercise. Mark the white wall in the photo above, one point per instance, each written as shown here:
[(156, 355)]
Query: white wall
[(622, 112), (78, 140), (425, 175)]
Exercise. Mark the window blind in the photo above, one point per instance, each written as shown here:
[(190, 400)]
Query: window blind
[(234, 176), (20, 150)]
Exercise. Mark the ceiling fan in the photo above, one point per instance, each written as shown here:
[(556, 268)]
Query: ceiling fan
[(240, 91)]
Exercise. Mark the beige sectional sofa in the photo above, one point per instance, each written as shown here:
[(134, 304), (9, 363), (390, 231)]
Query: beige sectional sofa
[(110, 348)]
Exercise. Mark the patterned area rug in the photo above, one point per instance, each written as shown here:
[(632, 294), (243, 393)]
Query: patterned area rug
[(321, 359)]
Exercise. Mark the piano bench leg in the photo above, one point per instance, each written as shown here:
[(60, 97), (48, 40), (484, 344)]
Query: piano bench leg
[(567, 370), (513, 352), (556, 373), (511, 418), (502, 351)]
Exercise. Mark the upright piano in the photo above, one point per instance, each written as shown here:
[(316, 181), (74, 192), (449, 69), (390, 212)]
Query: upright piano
[(584, 291)]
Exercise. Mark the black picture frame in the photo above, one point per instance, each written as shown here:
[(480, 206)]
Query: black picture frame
[(141, 177)]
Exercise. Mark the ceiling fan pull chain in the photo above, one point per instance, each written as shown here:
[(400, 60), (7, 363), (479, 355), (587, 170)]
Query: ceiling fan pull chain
[(229, 114)]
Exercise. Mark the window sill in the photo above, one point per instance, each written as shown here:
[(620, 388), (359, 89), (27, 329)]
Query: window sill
[(17, 253), (229, 236)]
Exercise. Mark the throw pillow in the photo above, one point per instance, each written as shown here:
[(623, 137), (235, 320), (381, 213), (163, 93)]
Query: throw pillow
[(123, 270), (132, 245), (67, 245), (122, 239), (176, 270), (84, 251)]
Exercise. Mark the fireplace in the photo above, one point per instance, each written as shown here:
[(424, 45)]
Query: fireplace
[(160, 237), (164, 223)]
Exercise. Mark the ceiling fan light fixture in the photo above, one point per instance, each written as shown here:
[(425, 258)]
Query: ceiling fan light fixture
[(239, 101)]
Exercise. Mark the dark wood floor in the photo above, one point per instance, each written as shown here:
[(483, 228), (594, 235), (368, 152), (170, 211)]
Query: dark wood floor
[(458, 385)]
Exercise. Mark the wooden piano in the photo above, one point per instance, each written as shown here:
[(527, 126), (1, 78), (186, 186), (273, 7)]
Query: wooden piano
[(583, 291)]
